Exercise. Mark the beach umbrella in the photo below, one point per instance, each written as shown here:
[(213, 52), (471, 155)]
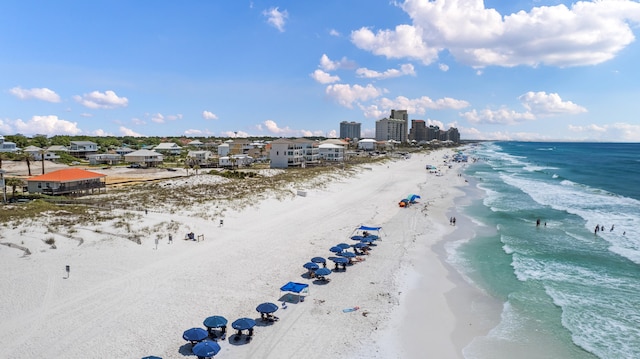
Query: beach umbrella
[(195, 334), (311, 266), (215, 321), (343, 245), (243, 324), (340, 260), (357, 238), (359, 245), (318, 260), (347, 254), (323, 271), (152, 357), (206, 349), (266, 308), (368, 240), (335, 249)]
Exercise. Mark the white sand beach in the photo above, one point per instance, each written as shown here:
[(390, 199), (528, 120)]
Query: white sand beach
[(129, 300)]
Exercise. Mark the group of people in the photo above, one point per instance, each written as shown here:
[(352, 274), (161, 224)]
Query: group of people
[(600, 228), (452, 221)]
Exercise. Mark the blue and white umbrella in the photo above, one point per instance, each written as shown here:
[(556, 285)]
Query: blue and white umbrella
[(323, 271), (311, 266), (318, 260), (335, 249), (243, 324)]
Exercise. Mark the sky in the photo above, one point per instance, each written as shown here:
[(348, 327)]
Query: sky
[(540, 70)]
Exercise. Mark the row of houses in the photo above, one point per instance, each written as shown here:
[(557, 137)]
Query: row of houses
[(281, 153)]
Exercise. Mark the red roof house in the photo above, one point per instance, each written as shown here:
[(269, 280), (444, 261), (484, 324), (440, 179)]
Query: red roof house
[(70, 181)]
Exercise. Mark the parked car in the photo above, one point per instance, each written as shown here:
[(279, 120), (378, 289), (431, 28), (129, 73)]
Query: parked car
[(134, 165)]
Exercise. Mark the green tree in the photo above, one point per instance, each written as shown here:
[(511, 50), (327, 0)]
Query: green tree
[(13, 182)]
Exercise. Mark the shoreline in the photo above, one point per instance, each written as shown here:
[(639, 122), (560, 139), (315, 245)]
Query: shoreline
[(463, 312)]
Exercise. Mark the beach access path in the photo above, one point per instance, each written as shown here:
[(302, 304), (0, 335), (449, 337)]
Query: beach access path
[(124, 300)]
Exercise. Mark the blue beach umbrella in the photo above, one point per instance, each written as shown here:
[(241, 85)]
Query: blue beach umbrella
[(343, 245), (335, 249), (152, 357), (206, 349), (318, 260), (359, 245), (340, 260), (266, 308), (243, 324), (368, 240), (195, 334), (311, 266), (347, 254), (215, 321), (357, 238), (323, 271)]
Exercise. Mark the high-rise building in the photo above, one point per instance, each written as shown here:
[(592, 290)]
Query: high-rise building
[(418, 131), (350, 130), (394, 128)]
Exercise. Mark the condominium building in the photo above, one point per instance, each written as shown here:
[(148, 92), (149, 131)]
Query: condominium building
[(351, 130)]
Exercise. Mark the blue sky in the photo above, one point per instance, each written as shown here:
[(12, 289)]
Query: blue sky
[(495, 69)]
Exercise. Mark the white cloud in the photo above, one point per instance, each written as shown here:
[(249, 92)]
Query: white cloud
[(619, 131), (587, 33), (49, 125), (324, 77), (100, 132), (420, 105), (405, 69), (208, 115), (403, 42), (276, 18), (129, 132), (443, 67), (542, 103), (106, 100), (195, 132), (43, 94), (343, 64), (234, 134), (501, 116), (346, 94), (157, 118), (334, 32), (85, 114), (138, 121)]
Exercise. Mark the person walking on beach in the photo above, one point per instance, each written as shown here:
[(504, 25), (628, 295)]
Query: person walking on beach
[(170, 238), (595, 231), (221, 222), (454, 221)]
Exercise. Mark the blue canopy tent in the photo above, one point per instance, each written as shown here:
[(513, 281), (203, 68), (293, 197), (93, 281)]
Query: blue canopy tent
[(292, 288), (365, 232)]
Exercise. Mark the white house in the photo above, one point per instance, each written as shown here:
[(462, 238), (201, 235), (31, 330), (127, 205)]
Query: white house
[(82, 149), (224, 149), (144, 157), (195, 143), (331, 152), (367, 144), (286, 153), (168, 148), (240, 160), (7, 146), (37, 153), (200, 157)]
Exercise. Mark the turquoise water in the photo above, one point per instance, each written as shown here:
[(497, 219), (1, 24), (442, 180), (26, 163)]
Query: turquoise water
[(567, 291)]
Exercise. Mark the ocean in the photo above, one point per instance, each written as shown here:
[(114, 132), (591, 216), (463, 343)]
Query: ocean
[(567, 290)]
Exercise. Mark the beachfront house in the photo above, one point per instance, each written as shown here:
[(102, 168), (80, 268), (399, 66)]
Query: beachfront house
[(196, 144), (331, 152), (70, 181), (82, 149), (146, 158), (367, 144), (123, 150), (168, 148), (285, 153)]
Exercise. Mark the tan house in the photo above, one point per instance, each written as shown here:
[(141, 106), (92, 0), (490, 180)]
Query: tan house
[(144, 157)]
